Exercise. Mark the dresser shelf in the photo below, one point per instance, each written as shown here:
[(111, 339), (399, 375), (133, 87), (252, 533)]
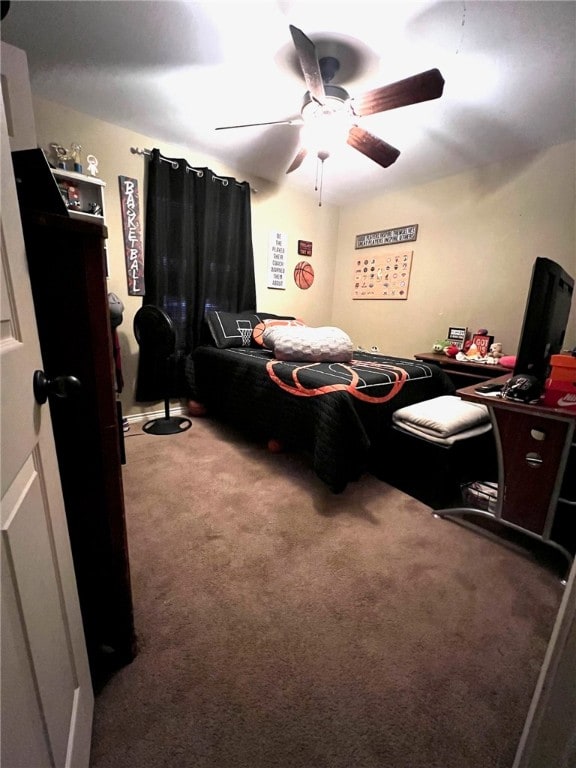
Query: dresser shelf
[(463, 373)]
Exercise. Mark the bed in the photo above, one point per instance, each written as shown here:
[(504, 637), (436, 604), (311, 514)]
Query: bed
[(338, 412)]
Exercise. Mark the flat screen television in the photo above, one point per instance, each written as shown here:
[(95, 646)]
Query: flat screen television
[(545, 318)]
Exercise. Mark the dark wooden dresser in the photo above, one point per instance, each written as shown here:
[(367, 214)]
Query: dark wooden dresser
[(463, 373), (67, 265)]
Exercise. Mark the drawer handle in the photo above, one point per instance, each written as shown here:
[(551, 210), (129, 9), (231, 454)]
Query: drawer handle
[(534, 459), (538, 434)]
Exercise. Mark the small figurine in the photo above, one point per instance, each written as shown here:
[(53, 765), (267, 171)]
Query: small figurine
[(92, 165), (438, 346), (494, 354)]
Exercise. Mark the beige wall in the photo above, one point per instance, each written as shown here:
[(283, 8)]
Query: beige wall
[(273, 209), (479, 233)]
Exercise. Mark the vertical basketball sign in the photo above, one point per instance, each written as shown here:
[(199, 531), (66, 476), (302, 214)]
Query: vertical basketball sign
[(130, 202), (277, 250)]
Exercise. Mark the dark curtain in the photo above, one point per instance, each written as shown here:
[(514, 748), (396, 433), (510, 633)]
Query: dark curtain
[(198, 256)]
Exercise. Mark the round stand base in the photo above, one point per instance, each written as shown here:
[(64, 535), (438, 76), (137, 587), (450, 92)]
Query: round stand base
[(167, 426)]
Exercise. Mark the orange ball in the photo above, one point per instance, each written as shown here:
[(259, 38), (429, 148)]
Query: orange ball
[(196, 409), (303, 274)]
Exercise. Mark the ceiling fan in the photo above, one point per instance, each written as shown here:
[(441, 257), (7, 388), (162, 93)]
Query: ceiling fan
[(326, 105)]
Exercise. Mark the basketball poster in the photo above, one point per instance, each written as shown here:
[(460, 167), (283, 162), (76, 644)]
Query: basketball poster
[(277, 253), (382, 277)]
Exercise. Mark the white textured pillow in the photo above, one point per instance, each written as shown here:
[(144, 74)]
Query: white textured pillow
[(261, 335), (315, 345), (269, 335)]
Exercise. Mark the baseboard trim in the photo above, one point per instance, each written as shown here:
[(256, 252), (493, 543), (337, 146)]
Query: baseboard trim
[(175, 410)]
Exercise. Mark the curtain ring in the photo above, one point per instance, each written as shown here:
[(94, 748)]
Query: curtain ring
[(173, 163)]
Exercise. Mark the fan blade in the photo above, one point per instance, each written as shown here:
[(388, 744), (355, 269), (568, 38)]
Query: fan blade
[(382, 153), (297, 162), (423, 87), (308, 58), (296, 121)]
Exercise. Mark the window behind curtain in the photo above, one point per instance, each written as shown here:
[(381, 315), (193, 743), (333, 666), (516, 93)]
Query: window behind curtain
[(198, 254)]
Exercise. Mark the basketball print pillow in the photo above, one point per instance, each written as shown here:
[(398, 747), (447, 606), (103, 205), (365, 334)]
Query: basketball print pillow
[(303, 275)]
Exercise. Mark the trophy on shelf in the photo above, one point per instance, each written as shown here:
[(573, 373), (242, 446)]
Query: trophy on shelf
[(63, 156), (75, 150)]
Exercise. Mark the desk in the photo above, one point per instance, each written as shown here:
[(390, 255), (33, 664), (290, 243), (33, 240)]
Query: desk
[(533, 445), (463, 373)]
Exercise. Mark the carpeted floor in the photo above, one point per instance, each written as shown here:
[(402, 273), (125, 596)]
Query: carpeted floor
[(281, 626)]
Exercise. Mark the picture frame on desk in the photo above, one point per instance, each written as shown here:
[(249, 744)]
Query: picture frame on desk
[(483, 343), (457, 336)]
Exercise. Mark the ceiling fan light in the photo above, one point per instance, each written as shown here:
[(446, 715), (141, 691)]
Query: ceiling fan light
[(336, 100), (325, 135), (326, 125)]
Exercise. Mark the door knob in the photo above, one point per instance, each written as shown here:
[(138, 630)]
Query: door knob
[(59, 386)]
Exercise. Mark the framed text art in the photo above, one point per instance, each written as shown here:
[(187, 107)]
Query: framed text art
[(457, 336), (277, 253), (483, 343), (387, 237), (133, 248), (384, 276)]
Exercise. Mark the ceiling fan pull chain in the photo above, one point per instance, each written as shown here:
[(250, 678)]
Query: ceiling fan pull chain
[(321, 157)]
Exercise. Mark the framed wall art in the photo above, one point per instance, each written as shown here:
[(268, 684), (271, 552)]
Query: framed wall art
[(133, 246), (385, 276), (277, 255)]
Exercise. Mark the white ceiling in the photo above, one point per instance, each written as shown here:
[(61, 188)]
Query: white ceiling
[(175, 70)]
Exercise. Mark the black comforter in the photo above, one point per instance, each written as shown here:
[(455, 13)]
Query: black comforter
[(340, 413)]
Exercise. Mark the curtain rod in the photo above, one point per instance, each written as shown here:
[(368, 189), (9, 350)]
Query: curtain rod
[(174, 163)]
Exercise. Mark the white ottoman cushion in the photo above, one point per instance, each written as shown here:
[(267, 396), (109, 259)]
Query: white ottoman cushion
[(444, 419)]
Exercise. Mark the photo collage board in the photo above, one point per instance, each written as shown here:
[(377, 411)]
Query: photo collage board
[(383, 276)]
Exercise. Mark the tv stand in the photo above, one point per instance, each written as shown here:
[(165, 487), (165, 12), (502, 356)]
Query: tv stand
[(533, 444)]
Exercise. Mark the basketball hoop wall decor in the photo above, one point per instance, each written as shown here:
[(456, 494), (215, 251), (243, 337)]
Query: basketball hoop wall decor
[(303, 275)]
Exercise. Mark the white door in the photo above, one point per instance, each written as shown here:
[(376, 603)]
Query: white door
[(46, 694)]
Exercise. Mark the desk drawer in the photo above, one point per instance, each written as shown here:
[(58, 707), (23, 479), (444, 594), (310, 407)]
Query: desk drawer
[(532, 451)]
